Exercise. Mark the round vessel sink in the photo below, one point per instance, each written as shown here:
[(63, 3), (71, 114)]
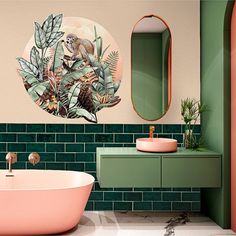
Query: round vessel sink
[(156, 144)]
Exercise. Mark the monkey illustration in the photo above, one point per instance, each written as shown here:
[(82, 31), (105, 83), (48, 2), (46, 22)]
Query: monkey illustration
[(79, 47)]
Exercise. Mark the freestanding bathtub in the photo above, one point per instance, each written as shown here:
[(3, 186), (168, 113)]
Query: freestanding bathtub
[(35, 202)]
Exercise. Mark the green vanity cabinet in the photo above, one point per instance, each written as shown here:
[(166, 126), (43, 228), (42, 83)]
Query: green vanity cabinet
[(127, 167), (128, 170), (201, 171)]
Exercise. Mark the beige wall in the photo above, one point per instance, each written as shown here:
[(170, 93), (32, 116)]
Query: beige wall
[(118, 17)]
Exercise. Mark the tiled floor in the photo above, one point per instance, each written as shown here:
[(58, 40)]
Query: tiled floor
[(142, 224)]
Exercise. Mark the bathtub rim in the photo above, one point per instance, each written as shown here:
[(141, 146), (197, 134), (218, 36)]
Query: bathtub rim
[(91, 182)]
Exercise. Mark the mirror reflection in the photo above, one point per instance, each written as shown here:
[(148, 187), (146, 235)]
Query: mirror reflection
[(151, 67)]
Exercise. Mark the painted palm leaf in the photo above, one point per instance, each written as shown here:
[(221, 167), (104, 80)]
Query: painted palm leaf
[(112, 61)]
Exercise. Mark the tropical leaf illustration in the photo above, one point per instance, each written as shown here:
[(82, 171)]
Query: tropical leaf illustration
[(58, 56), (73, 95), (47, 27), (55, 39), (105, 80), (81, 112), (37, 90), (105, 51), (63, 101), (39, 36), (77, 64), (66, 86), (98, 43), (111, 103), (56, 24), (27, 66), (99, 46), (29, 78), (112, 61), (35, 58), (72, 77)]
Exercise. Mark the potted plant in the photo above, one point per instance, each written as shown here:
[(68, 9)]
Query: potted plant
[(191, 110)]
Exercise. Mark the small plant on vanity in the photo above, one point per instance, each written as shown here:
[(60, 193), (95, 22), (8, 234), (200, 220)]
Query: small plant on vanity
[(191, 110)]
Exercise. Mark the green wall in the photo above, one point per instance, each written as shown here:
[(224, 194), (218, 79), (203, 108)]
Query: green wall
[(147, 74), (165, 50), (215, 93)]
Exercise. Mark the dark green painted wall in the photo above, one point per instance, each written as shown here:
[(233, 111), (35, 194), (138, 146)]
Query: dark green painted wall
[(215, 92), (165, 51), (147, 74)]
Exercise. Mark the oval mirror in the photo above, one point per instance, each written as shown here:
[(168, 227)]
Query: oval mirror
[(151, 67)]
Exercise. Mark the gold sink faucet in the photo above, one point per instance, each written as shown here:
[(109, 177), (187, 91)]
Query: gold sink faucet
[(151, 130), (11, 158)]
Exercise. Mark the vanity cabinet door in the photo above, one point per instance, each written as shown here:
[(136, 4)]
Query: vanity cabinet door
[(129, 171), (191, 171)]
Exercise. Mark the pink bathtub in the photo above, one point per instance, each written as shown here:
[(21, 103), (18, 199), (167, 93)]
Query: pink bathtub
[(35, 202)]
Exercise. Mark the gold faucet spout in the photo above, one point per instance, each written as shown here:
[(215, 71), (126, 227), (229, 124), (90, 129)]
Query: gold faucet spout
[(11, 158), (151, 130)]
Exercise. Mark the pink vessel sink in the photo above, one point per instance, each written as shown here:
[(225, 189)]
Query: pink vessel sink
[(156, 144)]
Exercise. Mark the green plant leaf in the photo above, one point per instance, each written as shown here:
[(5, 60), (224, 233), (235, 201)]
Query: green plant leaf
[(99, 47), (47, 26), (35, 58), (58, 56), (98, 41), (27, 66), (39, 36), (73, 94), (80, 112), (56, 24), (30, 79), (104, 51), (38, 90), (112, 102), (107, 80), (70, 77), (58, 35), (77, 64)]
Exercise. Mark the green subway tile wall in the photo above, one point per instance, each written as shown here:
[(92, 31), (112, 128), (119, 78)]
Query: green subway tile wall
[(73, 147)]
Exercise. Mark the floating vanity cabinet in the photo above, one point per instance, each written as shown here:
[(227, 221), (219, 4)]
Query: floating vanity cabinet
[(191, 169), (127, 167)]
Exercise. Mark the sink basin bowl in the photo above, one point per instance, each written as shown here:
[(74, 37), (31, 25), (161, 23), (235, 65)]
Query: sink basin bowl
[(156, 144)]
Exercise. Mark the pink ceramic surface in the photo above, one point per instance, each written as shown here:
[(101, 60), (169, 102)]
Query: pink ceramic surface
[(233, 120), (35, 202), (156, 144)]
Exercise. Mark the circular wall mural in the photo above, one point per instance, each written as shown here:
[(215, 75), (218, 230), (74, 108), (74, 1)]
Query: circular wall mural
[(71, 67)]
